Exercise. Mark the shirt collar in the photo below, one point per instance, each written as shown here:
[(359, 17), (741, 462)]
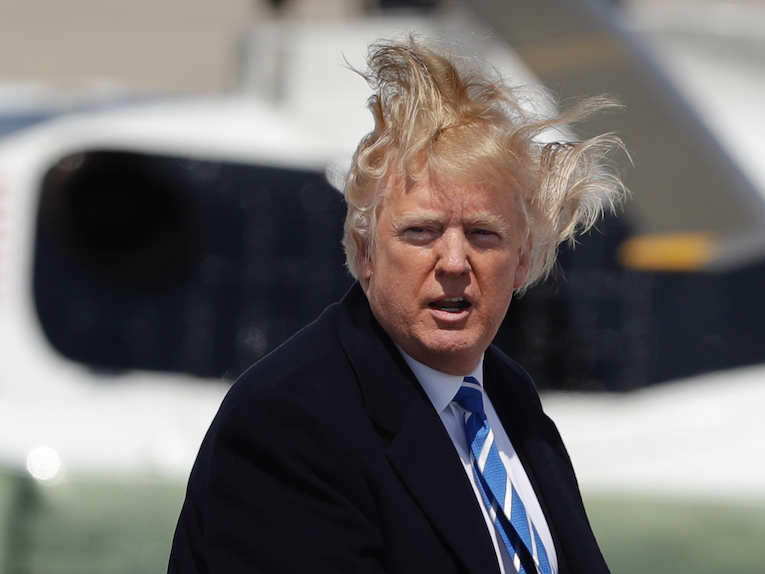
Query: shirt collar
[(440, 387)]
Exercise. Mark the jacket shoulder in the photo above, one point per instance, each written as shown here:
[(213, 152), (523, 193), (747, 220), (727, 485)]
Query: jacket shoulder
[(499, 367), (310, 355)]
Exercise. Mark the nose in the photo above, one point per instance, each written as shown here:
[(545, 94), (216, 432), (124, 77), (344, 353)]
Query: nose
[(453, 253)]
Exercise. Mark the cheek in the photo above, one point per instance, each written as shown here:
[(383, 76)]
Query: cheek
[(397, 260), (502, 282)]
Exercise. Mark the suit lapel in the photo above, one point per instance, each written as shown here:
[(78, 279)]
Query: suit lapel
[(424, 458), (419, 448), (511, 401)]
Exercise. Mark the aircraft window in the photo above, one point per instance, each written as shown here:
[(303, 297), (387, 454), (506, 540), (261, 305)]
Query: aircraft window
[(171, 264)]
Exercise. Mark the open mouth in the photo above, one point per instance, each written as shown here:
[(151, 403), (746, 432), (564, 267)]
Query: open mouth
[(450, 305)]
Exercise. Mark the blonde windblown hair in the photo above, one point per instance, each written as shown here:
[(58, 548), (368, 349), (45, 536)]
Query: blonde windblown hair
[(431, 116)]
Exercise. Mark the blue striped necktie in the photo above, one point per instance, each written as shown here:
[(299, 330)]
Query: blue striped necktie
[(516, 530)]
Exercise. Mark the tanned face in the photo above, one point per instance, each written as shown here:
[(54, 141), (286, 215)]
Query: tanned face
[(446, 260)]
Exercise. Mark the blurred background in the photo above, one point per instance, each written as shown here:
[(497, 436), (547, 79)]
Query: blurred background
[(169, 214)]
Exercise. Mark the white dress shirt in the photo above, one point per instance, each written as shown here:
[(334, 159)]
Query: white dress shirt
[(441, 389)]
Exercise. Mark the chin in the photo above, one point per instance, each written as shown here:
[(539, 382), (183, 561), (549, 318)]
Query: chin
[(451, 352)]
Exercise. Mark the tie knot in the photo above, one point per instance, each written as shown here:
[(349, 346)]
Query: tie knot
[(469, 396)]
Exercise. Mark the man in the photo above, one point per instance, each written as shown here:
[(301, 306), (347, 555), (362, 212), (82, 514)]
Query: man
[(389, 435)]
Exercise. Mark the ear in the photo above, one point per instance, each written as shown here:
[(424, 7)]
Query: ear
[(365, 275), (524, 262), (365, 268)]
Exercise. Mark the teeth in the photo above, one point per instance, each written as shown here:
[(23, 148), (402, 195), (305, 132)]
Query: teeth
[(454, 299)]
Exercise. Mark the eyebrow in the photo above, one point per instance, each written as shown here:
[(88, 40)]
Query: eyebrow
[(426, 218), (431, 218), (490, 220)]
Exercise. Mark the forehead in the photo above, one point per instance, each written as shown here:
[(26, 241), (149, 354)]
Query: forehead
[(455, 196)]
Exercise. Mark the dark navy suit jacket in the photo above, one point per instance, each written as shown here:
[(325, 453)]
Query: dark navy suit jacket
[(327, 457)]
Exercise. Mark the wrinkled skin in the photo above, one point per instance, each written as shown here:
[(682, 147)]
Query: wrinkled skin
[(446, 260)]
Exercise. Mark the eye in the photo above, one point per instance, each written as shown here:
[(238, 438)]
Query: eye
[(484, 237), (416, 235)]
